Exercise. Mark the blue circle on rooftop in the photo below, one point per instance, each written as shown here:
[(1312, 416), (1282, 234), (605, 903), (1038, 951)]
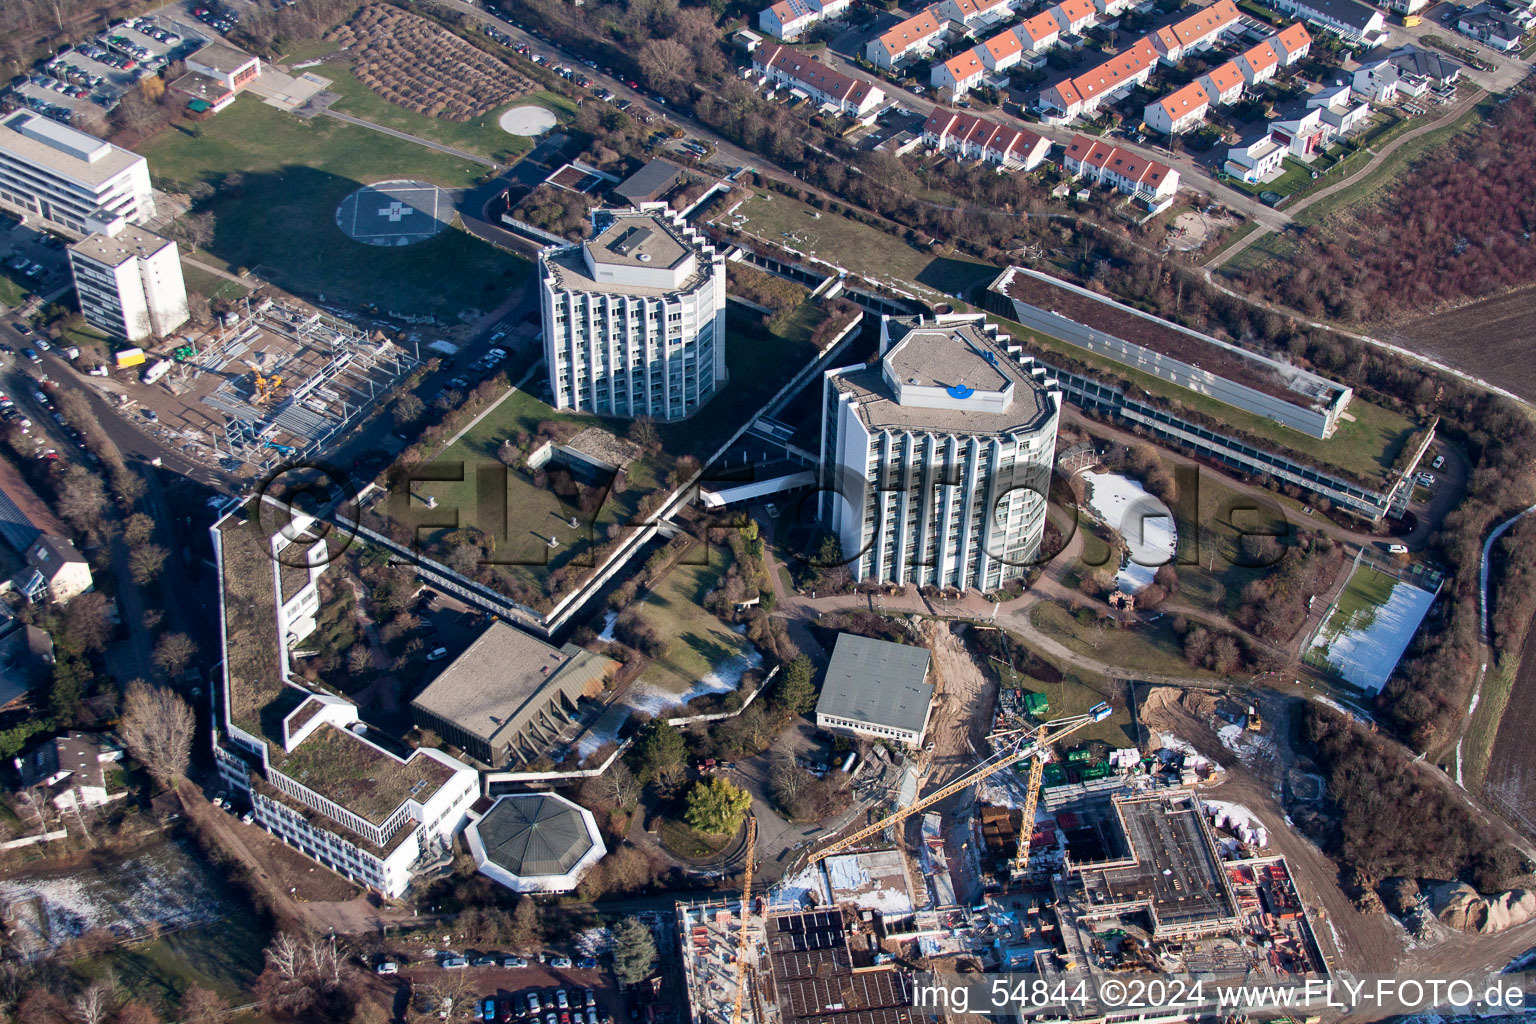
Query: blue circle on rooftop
[(960, 391)]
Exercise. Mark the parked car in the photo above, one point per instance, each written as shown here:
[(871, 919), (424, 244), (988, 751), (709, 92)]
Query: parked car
[(30, 354), (483, 961), (560, 998), (510, 961), (438, 654), (591, 998), (560, 961), (1438, 463), (488, 1008), (387, 967), (533, 1004), (453, 963), (1427, 479)]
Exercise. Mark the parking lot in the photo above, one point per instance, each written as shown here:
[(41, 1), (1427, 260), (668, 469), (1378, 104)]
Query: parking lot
[(510, 989), (85, 81)]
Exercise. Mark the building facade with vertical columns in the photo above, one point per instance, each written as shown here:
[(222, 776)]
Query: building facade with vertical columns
[(936, 460), (634, 317)]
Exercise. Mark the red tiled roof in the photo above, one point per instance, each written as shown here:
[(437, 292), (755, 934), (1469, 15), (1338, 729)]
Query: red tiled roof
[(788, 11), (1197, 26), (816, 76), (1041, 26), (1077, 10), (964, 66), (1116, 71), (1262, 57), (1180, 102), (1293, 37), (1127, 165), (909, 32), (1229, 76), (1004, 44)]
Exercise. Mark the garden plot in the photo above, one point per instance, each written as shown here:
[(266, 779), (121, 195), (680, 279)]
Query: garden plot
[(400, 57), (165, 888), (1367, 630)]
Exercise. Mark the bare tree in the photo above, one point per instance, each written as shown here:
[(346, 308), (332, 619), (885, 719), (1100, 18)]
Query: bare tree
[(93, 1006), (158, 726), (195, 230), (145, 562), (82, 499), (174, 653)]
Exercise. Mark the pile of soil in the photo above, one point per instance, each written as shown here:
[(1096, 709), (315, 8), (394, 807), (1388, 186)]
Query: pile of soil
[(1460, 906)]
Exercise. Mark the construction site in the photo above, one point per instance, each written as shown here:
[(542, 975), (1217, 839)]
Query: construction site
[(275, 383)]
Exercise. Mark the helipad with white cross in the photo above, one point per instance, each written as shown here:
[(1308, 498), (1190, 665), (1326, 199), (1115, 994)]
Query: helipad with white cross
[(394, 213)]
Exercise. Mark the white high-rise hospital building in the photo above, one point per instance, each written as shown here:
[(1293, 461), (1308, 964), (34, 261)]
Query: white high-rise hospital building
[(634, 317), (130, 283), (936, 460)]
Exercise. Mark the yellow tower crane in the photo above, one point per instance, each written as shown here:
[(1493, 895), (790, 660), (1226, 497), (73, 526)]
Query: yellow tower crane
[(743, 938), (1011, 748)]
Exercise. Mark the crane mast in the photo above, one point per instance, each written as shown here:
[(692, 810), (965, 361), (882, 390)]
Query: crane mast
[(1014, 746), (742, 938)]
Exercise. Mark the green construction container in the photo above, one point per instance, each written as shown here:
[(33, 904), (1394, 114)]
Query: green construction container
[(1054, 775), (1099, 770), (1036, 704), (1079, 756)]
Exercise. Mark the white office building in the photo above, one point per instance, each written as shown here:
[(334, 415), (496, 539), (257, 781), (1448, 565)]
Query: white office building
[(71, 179), (130, 283), (936, 461), (634, 317)]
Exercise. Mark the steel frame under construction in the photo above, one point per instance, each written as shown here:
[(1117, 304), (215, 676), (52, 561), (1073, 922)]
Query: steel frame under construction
[(321, 402)]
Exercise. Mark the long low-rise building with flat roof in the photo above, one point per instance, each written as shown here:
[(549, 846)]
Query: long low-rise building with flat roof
[(69, 178), (1245, 380), (509, 696)]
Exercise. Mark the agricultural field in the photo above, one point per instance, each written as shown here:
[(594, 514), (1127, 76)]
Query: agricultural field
[(1368, 628), (1511, 769), (1489, 339), (281, 220)]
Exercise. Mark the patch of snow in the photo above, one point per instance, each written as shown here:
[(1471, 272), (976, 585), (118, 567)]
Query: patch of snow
[(1338, 943), (594, 942), (723, 679), (606, 634), (1151, 537), (165, 888), (810, 882), (1169, 745)]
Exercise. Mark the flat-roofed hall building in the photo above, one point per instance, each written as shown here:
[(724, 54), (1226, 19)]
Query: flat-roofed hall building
[(130, 283), (69, 178), (509, 695), (936, 460), (634, 317), (876, 688)]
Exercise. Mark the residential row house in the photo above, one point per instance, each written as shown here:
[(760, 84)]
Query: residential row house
[(975, 138), (1351, 20), (1136, 176), (1186, 108), (788, 20), (917, 36), (1197, 32), (1007, 48), (1082, 96), (794, 69), (1498, 29)]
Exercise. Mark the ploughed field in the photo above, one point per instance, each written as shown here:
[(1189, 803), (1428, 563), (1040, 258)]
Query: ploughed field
[(1488, 339)]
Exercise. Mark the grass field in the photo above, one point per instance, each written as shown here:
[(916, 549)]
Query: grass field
[(1483, 727), (12, 289), (225, 957), (696, 641), (211, 286), (1075, 694), (864, 250), (1365, 445), (1368, 628), (282, 219), (533, 513), (481, 136), (1150, 648)]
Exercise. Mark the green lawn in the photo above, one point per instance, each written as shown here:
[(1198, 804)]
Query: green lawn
[(697, 641), (282, 220), (225, 956), (534, 513), (1152, 647), (1483, 727), (1074, 694), (13, 290), (209, 285), (863, 249), (482, 136), (1365, 445)]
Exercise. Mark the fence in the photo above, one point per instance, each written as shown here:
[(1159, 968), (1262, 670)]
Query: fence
[(721, 716)]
